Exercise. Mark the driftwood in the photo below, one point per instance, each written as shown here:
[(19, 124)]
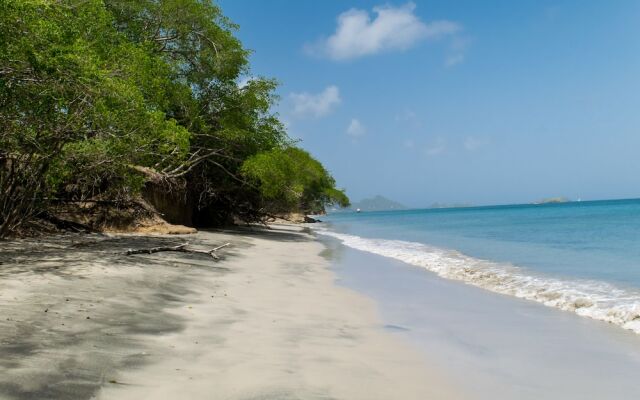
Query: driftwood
[(181, 248)]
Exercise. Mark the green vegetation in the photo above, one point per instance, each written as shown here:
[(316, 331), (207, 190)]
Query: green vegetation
[(290, 179), (98, 97)]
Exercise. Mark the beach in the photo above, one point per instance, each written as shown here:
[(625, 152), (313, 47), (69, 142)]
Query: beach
[(82, 320), (196, 203), (493, 346), (517, 301), (285, 313)]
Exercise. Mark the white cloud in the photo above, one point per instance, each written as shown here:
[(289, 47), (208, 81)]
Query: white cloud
[(472, 143), (438, 147), (355, 128), (315, 105), (457, 51), (392, 28), (409, 118), (454, 59), (406, 115)]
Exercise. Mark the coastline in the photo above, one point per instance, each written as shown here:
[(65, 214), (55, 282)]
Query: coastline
[(268, 321), (494, 346), (592, 299)]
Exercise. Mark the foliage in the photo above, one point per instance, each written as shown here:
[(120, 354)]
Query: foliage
[(92, 92), (290, 179)]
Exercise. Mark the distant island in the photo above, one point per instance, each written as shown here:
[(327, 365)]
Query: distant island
[(381, 203), (552, 200), (377, 203)]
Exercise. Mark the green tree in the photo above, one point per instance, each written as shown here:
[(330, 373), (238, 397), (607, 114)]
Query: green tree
[(99, 96), (290, 179), (78, 106)]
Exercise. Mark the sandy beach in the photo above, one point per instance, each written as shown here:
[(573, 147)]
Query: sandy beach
[(319, 200), (81, 320)]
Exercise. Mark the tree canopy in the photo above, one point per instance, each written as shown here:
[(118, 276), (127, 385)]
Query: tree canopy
[(99, 96), (290, 178)]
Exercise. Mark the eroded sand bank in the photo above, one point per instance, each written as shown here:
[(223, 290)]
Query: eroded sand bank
[(80, 320)]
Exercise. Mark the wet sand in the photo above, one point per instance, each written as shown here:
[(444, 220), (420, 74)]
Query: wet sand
[(81, 320), (495, 346)]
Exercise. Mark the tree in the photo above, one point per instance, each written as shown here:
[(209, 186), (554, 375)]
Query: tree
[(75, 107), (290, 179), (99, 96)]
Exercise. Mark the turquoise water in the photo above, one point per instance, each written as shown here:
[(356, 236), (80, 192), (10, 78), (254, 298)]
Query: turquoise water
[(582, 256)]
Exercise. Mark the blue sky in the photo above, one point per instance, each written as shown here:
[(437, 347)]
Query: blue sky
[(483, 102)]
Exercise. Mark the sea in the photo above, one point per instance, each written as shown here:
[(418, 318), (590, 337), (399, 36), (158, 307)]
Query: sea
[(581, 257)]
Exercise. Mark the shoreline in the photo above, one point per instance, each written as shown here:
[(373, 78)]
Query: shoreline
[(494, 346), (588, 298), (268, 321)]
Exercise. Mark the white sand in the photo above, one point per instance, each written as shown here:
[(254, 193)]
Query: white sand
[(268, 322), (278, 328)]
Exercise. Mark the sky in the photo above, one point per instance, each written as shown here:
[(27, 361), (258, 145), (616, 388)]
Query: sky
[(481, 102)]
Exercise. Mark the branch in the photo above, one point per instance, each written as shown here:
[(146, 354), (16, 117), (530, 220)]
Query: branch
[(180, 248)]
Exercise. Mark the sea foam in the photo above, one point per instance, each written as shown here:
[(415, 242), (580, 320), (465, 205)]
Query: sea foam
[(598, 300)]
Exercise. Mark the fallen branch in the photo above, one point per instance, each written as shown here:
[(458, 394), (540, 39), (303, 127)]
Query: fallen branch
[(211, 252), (180, 248), (220, 247)]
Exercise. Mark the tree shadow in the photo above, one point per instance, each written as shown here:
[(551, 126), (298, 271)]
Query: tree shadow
[(85, 310)]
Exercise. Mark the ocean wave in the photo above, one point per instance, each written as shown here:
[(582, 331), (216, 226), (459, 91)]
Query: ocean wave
[(593, 299)]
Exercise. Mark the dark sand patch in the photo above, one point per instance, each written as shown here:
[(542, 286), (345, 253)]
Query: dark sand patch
[(74, 311)]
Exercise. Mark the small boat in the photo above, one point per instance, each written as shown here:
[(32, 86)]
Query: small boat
[(358, 210)]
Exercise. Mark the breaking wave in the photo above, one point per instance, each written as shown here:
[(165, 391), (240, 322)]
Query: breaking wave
[(598, 300)]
